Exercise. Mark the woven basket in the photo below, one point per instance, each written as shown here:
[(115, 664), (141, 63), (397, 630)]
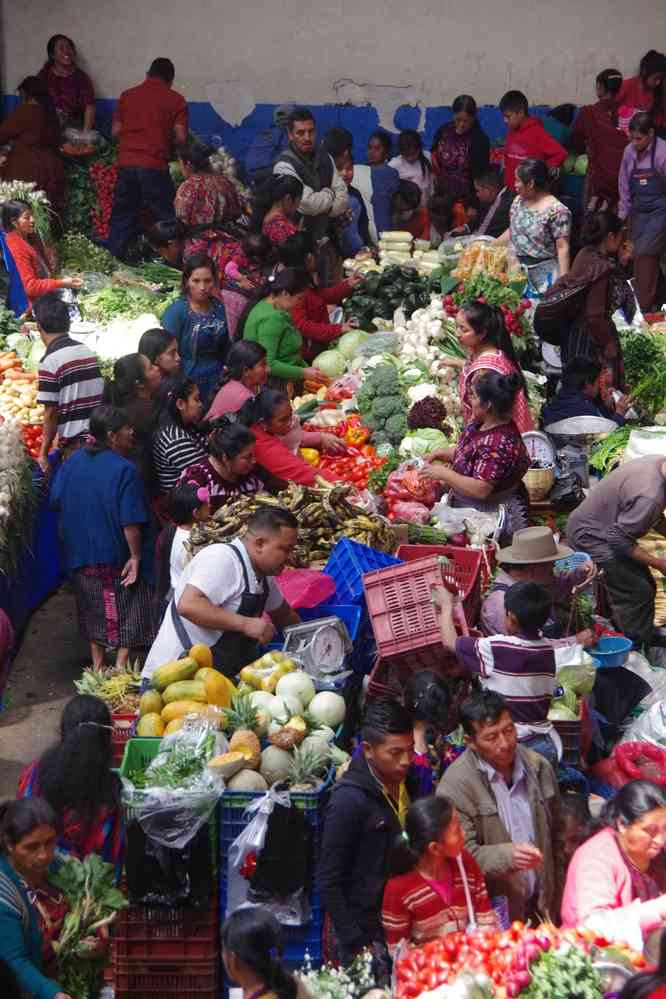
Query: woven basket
[(539, 482)]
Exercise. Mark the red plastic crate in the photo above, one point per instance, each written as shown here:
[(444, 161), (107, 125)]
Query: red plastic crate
[(151, 933), (467, 571), (122, 730), (404, 621), (196, 979)]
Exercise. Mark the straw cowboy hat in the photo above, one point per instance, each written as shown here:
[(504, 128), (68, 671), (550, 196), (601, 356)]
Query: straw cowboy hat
[(532, 545)]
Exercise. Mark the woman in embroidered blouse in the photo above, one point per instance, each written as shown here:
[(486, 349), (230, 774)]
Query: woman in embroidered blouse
[(609, 887), (76, 779), (30, 908), (206, 197), (227, 472), (487, 465), (70, 89), (460, 152), (198, 321), (276, 208), (438, 887), (540, 227)]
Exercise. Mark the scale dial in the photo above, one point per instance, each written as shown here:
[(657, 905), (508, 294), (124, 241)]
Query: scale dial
[(539, 447), (327, 649)]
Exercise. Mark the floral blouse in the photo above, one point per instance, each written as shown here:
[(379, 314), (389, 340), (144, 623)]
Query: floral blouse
[(534, 233), (497, 455), (278, 229)]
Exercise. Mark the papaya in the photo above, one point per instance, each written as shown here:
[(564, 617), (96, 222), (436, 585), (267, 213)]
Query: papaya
[(202, 655), (201, 674), (174, 725), (150, 703), (218, 689), (185, 690), (150, 725), (179, 669), (178, 709)]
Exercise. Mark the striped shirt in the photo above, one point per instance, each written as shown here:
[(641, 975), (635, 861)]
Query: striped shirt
[(416, 909), (521, 669), (69, 378), (175, 448)]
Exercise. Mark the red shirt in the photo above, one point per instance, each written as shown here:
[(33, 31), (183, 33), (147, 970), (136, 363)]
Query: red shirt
[(31, 269), (147, 116), (275, 457), (634, 97), (596, 133), (530, 142), (312, 320)]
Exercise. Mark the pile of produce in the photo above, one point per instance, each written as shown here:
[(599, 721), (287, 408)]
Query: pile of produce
[(93, 903), (9, 326), (78, 255), (607, 454), (103, 178), (329, 982), (17, 496), (494, 292), (481, 258), (537, 963), (382, 402), (82, 209), (325, 515), (381, 294), (355, 466), (118, 687), (645, 368), (40, 206), (429, 337), (18, 395), (119, 301)]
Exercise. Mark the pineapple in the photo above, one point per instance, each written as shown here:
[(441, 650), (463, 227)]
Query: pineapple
[(245, 741), (308, 767), (241, 714), (290, 735)]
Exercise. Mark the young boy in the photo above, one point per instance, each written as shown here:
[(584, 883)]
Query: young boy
[(408, 212), (519, 665), (354, 228), (526, 138)]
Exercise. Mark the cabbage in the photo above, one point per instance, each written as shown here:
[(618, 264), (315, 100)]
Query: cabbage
[(413, 373), (567, 699), (569, 164), (331, 362), (560, 712), (417, 443), (349, 342), (581, 165), (579, 679)]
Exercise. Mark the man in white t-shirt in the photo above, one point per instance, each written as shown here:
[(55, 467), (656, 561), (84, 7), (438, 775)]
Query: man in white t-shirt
[(223, 593)]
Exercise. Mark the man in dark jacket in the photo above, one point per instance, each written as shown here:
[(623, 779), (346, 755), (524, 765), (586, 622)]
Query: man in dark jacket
[(580, 395), (363, 820)]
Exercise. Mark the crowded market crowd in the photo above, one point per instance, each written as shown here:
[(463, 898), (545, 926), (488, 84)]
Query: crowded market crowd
[(431, 829)]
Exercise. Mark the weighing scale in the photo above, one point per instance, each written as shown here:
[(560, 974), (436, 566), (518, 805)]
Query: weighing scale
[(322, 646), (574, 438), (539, 447)]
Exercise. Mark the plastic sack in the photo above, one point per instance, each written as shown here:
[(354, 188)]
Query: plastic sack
[(650, 727), (410, 513), (406, 484), (640, 666), (645, 441), (172, 816), (245, 848), (305, 588), (479, 524), (642, 761)]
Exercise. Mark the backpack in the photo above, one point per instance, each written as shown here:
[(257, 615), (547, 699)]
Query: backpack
[(557, 311)]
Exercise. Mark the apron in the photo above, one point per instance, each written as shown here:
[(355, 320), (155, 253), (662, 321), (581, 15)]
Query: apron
[(648, 219), (232, 650)]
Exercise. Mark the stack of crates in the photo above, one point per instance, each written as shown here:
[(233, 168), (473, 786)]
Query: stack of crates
[(159, 951)]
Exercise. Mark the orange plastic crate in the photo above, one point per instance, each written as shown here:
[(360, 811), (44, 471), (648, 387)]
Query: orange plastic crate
[(122, 730), (154, 933), (192, 979), (404, 621)]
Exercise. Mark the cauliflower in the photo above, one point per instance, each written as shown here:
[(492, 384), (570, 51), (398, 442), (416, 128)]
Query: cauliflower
[(422, 391)]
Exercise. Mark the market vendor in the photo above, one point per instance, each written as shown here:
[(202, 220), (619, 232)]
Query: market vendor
[(32, 133), (245, 374), (75, 777), (580, 395), (70, 89), (228, 470), (31, 909), (436, 886), (495, 202), (643, 206), (609, 886), (531, 557), (270, 417), (460, 152), (487, 465), (28, 252), (609, 524), (223, 593)]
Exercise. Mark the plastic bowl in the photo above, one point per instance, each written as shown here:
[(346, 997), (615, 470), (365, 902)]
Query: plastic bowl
[(611, 651)]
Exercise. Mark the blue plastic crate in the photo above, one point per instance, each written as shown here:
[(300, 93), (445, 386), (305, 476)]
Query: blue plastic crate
[(232, 821), (348, 562), (571, 562)]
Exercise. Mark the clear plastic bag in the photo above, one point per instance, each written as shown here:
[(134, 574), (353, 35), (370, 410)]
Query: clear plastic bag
[(639, 665), (650, 727), (249, 843)]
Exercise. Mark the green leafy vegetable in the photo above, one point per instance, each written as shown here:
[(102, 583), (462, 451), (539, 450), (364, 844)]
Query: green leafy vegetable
[(79, 255), (608, 452), (182, 765), (566, 971)]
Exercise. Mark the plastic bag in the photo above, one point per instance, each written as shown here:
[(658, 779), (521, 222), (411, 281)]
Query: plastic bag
[(172, 816), (650, 727), (410, 513), (245, 848), (406, 484), (640, 666), (642, 761), (479, 524), (305, 588)]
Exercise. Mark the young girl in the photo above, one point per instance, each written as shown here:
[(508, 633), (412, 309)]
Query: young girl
[(244, 275), (428, 700), (188, 504), (135, 389), (251, 949), (161, 349), (409, 211), (179, 442), (245, 374), (438, 887), (412, 163), (276, 208)]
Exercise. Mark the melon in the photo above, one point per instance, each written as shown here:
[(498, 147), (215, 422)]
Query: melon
[(275, 764), (247, 780), (227, 764)]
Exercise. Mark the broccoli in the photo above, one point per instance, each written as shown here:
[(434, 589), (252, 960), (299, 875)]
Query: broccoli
[(365, 397), (387, 405), (371, 423), (396, 427), (379, 437), (385, 380)]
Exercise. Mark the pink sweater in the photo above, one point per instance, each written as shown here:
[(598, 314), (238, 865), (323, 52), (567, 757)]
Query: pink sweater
[(229, 399), (598, 894)]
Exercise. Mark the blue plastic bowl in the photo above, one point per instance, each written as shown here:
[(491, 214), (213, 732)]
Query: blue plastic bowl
[(611, 651)]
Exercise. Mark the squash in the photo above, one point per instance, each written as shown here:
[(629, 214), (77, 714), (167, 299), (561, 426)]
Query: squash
[(150, 725), (178, 709), (218, 689), (185, 690), (150, 703), (227, 764), (245, 742), (201, 655), (174, 672), (247, 780), (174, 726)]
